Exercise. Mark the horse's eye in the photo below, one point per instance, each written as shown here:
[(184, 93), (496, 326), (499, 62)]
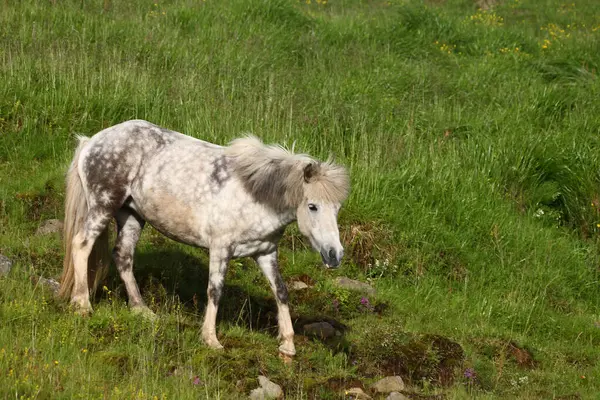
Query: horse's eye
[(312, 207)]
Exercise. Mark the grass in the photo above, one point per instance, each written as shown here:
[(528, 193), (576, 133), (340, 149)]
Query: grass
[(472, 138)]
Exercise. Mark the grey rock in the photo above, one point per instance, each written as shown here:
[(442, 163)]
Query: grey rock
[(298, 285), (323, 330), (357, 393), (272, 390), (389, 384), (396, 396), (267, 390), (50, 283), (257, 394), (351, 284), (5, 265), (49, 226)]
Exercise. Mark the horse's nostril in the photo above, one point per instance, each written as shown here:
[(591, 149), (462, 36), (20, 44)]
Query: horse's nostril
[(332, 255)]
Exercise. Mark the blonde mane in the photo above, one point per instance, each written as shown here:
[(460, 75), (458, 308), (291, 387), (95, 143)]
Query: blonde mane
[(282, 179)]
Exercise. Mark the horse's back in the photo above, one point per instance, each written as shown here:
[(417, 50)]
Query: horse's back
[(114, 157), (133, 135)]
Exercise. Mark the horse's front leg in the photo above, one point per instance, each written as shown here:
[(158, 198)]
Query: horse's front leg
[(217, 270), (268, 264)]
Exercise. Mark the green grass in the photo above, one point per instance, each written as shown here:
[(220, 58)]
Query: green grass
[(473, 143)]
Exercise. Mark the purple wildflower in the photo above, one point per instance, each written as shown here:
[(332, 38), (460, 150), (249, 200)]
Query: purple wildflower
[(366, 303), (336, 304), (196, 380), (470, 373)]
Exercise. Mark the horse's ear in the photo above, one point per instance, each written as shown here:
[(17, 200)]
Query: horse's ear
[(310, 172)]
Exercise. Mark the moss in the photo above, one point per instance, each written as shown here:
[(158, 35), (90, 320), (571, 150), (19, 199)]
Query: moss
[(384, 349)]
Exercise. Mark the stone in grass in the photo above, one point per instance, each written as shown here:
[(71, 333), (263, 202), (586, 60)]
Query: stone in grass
[(357, 394), (298, 285), (351, 284), (267, 390), (50, 283), (324, 330), (5, 265), (396, 396), (389, 384), (49, 226)]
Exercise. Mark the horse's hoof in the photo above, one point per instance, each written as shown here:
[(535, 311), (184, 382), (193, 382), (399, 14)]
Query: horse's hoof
[(84, 311), (287, 359), (287, 349), (213, 343), (144, 312), (216, 346)]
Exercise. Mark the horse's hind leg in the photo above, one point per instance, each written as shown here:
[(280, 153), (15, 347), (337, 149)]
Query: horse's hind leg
[(129, 226), (83, 243)]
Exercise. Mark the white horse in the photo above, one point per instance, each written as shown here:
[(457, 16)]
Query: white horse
[(236, 201)]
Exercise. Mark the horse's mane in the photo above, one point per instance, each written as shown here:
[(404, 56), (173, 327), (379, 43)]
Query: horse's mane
[(278, 177)]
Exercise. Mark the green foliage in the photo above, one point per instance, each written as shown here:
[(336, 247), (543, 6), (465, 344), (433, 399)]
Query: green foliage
[(472, 138), (421, 360)]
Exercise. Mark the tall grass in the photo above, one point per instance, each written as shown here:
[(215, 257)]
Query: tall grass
[(472, 138)]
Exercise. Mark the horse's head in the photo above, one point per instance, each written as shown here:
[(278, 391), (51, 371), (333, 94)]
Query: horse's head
[(286, 181), (325, 188)]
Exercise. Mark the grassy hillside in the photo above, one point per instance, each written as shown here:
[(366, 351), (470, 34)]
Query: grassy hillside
[(473, 141)]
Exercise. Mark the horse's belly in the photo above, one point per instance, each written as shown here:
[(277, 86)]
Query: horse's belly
[(253, 247), (173, 218), (180, 234)]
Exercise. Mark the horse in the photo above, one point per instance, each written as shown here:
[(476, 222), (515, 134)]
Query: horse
[(235, 201)]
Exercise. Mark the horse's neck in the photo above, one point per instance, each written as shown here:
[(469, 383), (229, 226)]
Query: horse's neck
[(285, 218), (271, 225), (292, 216)]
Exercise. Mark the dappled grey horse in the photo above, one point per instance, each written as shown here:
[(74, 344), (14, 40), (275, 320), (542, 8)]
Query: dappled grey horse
[(236, 201)]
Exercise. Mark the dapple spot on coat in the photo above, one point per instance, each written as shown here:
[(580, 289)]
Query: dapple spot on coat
[(221, 171)]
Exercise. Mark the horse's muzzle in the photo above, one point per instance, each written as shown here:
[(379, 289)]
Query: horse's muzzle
[(331, 257)]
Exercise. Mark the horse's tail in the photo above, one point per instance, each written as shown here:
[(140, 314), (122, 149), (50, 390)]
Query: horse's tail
[(76, 210)]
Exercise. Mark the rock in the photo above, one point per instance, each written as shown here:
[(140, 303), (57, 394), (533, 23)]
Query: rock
[(5, 265), (355, 285), (49, 226), (267, 390), (389, 384), (323, 330), (50, 283), (257, 394), (357, 393), (396, 396), (298, 285), (272, 389)]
